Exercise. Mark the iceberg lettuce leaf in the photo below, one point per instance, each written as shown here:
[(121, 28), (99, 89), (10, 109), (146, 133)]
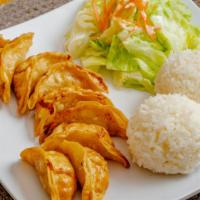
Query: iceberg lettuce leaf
[(132, 58)]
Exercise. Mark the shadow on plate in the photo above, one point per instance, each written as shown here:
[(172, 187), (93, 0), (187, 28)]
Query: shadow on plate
[(27, 182), (11, 107), (29, 125)]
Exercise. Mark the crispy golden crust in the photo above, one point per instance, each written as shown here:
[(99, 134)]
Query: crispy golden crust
[(89, 112), (29, 72), (58, 100), (89, 135), (3, 41), (90, 167), (54, 170), (68, 97), (66, 75), (4, 1), (11, 55)]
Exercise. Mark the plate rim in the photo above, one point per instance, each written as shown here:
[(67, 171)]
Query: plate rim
[(3, 183)]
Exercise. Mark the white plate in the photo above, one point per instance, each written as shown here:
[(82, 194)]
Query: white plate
[(17, 133)]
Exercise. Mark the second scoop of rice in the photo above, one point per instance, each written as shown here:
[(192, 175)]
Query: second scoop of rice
[(180, 74), (164, 134)]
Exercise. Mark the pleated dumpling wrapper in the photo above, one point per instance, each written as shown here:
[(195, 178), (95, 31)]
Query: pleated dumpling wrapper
[(29, 72), (89, 135), (66, 75), (90, 167), (89, 112), (54, 170), (60, 99), (12, 53)]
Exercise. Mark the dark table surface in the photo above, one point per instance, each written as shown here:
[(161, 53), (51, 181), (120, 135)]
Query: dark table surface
[(21, 10)]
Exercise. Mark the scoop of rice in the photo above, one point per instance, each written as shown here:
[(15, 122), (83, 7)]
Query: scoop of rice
[(164, 134), (180, 74)]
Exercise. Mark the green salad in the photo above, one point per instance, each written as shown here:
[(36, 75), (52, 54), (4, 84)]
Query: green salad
[(130, 39)]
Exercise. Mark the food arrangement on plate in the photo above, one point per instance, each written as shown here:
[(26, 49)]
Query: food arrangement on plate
[(74, 120), (144, 45)]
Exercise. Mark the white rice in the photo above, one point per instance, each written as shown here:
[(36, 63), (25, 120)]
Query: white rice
[(180, 74), (164, 134)]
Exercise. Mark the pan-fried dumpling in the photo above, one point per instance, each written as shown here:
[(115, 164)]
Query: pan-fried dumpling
[(28, 73), (54, 170), (11, 55), (89, 135), (63, 98), (88, 112), (90, 167), (68, 97), (66, 75), (3, 42)]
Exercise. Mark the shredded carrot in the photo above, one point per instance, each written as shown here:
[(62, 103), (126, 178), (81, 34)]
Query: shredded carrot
[(111, 6), (143, 20), (103, 22), (94, 5), (116, 8), (129, 5)]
